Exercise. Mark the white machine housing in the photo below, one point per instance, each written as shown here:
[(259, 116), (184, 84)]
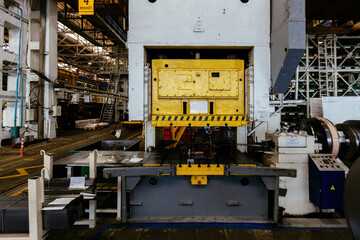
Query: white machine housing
[(291, 151), (188, 24)]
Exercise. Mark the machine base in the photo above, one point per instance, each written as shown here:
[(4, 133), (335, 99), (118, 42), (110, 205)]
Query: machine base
[(170, 197)]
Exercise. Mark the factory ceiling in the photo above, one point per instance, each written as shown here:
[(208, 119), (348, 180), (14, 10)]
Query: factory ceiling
[(332, 9), (108, 27), (92, 43), (340, 17)]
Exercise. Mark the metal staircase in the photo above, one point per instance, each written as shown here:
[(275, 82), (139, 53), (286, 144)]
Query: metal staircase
[(108, 110), (109, 103)]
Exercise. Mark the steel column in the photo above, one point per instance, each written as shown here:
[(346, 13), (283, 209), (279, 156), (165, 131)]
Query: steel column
[(118, 206), (123, 200)]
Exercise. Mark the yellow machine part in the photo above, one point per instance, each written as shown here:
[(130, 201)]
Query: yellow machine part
[(198, 92), (199, 180), (202, 170)]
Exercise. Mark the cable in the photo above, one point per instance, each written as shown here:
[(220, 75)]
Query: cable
[(10, 148), (22, 135)]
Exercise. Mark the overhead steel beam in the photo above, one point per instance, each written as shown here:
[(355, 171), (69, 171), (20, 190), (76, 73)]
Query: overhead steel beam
[(77, 29), (98, 22), (328, 30), (116, 95), (76, 64)]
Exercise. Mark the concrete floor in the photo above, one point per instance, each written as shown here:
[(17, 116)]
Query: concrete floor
[(222, 234), (115, 232), (15, 170)]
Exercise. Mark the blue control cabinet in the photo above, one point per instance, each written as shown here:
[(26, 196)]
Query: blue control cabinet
[(326, 181)]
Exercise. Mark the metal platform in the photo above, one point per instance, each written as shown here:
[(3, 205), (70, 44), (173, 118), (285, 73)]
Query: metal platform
[(105, 159), (78, 164), (112, 145)]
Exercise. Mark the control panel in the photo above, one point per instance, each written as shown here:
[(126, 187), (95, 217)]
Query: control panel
[(326, 181), (325, 162)]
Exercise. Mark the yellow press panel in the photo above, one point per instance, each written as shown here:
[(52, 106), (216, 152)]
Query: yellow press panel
[(198, 92)]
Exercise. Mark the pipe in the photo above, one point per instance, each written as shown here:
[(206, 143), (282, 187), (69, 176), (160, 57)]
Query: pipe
[(18, 66), (22, 100)]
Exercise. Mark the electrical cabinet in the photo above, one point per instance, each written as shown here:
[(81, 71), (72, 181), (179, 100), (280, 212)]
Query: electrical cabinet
[(326, 181)]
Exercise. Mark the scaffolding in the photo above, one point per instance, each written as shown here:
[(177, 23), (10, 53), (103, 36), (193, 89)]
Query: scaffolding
[(330, 67)]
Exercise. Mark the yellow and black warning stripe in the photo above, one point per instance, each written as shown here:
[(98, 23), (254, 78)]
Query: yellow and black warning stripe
[(199, 121), (199, 118)]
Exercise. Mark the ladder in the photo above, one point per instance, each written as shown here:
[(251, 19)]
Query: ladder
[(325, 60)]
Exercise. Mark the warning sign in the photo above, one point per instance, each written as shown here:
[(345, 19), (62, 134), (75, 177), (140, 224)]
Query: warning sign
[(86, 7), (332, 188)]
